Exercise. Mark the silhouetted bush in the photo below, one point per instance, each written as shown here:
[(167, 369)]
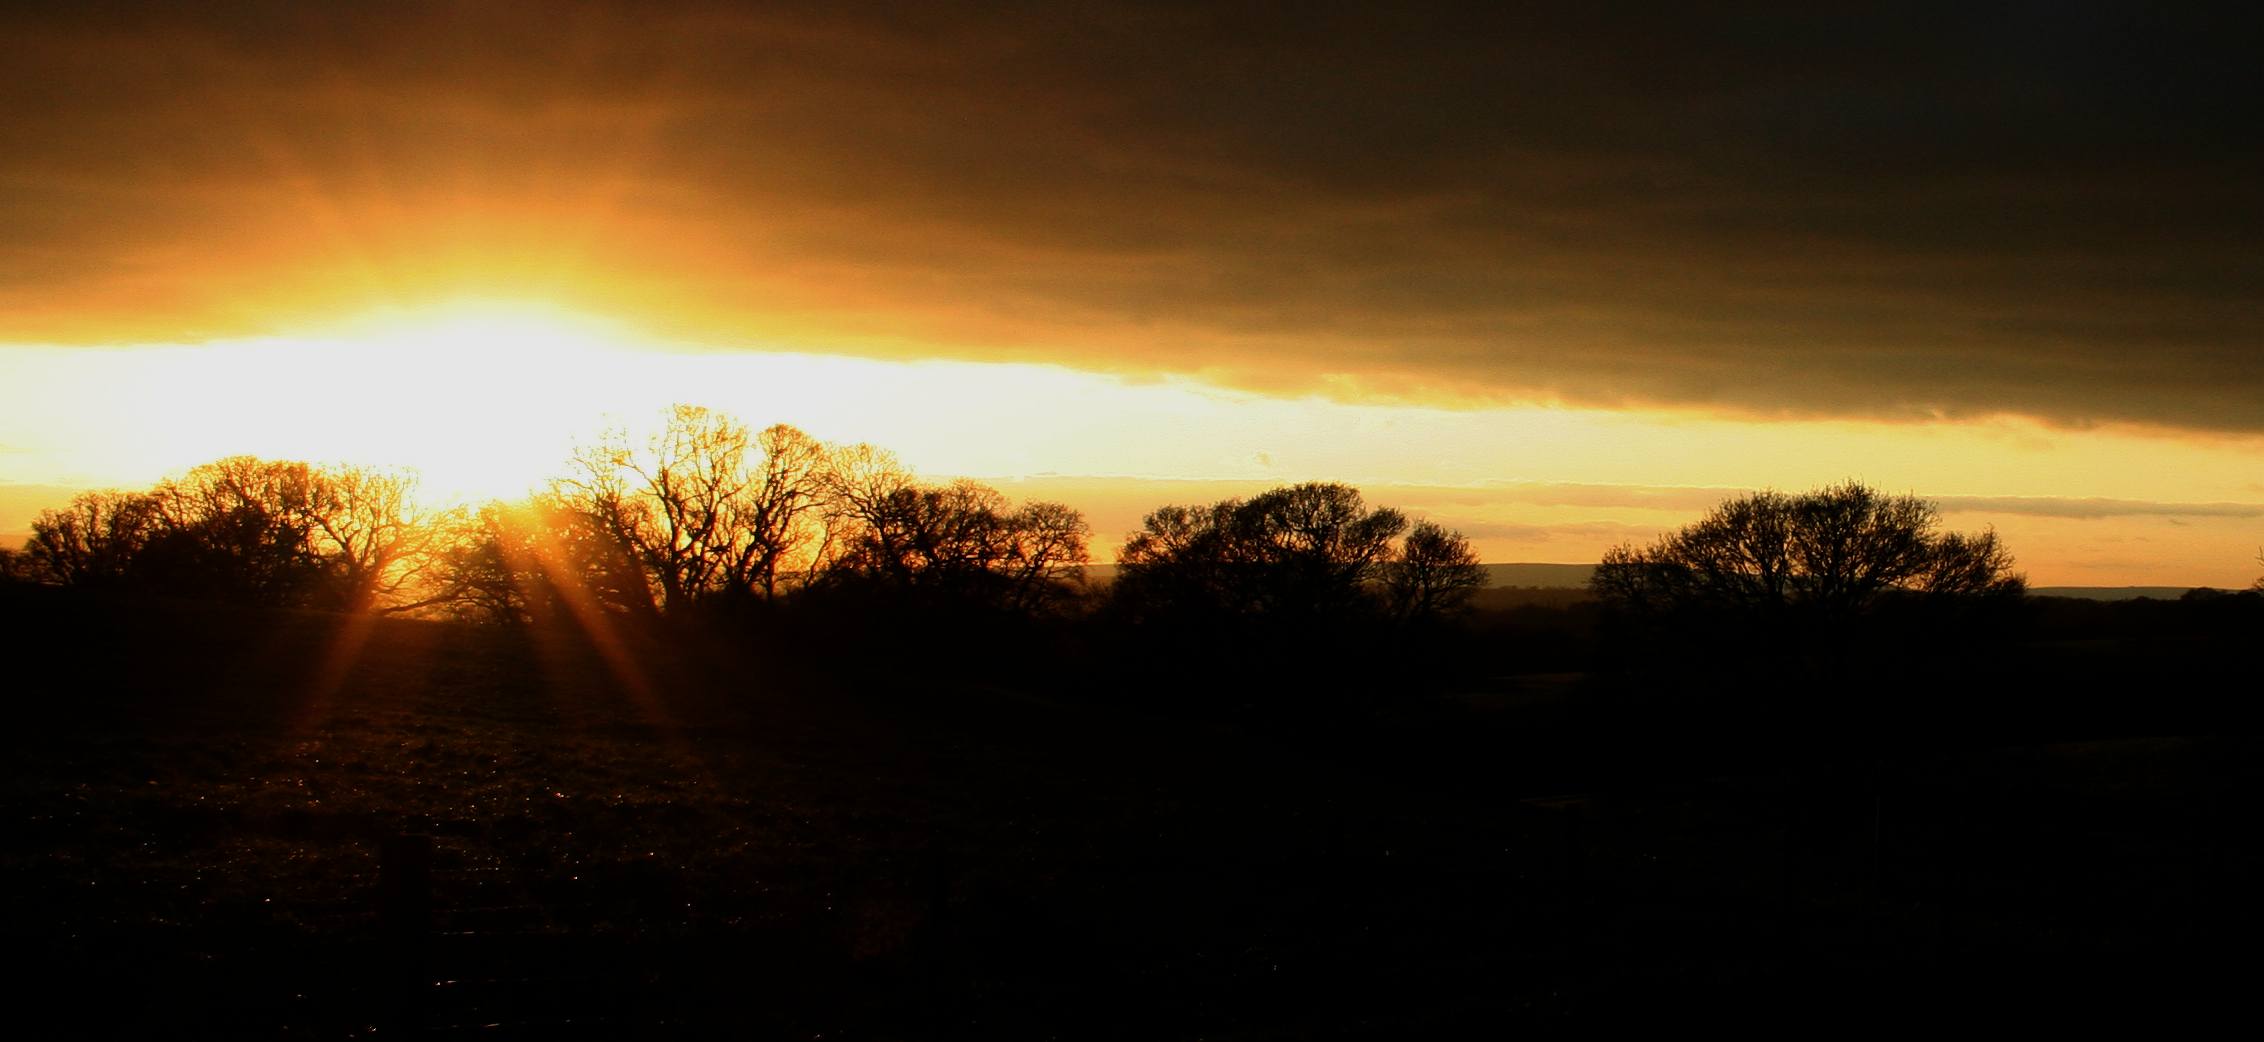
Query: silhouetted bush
[(1295, 593), (960, 545), (1433, 576), (1773, 594), (273, 532), (1304, 554)]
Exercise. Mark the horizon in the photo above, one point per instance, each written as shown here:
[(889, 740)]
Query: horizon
[(1506, 521)]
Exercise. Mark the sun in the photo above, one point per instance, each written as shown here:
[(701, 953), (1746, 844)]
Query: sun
[(483, 398)]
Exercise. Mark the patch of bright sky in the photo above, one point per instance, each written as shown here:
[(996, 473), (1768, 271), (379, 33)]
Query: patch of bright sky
[(487, 400)]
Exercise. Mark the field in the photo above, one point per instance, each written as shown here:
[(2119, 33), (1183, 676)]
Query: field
[(231, 823)]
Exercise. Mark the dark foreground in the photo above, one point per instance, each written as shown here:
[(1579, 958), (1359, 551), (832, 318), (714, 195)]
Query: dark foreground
[(233, 824)]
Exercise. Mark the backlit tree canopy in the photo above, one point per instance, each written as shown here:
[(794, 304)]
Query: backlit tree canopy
[(706, 506), (1434, 575), (246, 529), (962, 542), (1829, 553), (710, 512), (1313, 551)]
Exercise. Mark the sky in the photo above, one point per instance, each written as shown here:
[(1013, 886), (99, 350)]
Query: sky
[(1559, 279)]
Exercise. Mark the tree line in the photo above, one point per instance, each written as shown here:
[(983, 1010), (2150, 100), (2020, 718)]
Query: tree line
[(271, 532), (708, 514), (1831, 554), (708, 517)]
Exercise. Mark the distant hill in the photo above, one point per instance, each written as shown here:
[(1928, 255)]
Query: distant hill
[(1498, 576), (1575, 576), (1568, 577), (2112, 593)]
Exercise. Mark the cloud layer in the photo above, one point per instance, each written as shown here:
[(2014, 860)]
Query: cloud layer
[(1907, 214)]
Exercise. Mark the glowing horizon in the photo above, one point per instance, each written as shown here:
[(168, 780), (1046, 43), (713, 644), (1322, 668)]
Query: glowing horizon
[(485, 397)]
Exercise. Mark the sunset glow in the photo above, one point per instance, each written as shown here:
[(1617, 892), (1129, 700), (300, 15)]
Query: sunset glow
[(460, 245), (486, 398), (632, 518)]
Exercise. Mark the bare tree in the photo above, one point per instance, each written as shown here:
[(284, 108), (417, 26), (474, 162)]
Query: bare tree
[(533, 561), (1311, 550), (1829, 554), (1318, 544), (778, 512), (859, 482), (671, 502), (483, 568), (926, 536), (962, 541), (710, 509), (238, 528), (1969, 566), (243, 528), (1044, 553), (1433, 575), (376, 542), (96, 541), (1183, 562)]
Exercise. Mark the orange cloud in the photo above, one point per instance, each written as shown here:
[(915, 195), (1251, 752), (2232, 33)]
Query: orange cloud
[(1824, 216)]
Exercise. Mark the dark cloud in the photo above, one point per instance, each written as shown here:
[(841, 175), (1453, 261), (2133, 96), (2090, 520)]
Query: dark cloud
[(1909, 213)]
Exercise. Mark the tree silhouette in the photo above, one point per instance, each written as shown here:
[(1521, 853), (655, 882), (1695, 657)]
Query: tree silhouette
[(1316, 545), (1434, 574), (240, 528), (533, 561), (484, 567), (1833, 552), (96, 541), (667, 503), (778, 513), (706, 507), (711, 512), (962, 542), (864, 488), (278, 532), (1043, 553), (376, 544), (1298, 592), (1184, 562), (1302, 552)]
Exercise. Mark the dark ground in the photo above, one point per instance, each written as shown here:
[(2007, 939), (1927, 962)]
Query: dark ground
[(204, 807)]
